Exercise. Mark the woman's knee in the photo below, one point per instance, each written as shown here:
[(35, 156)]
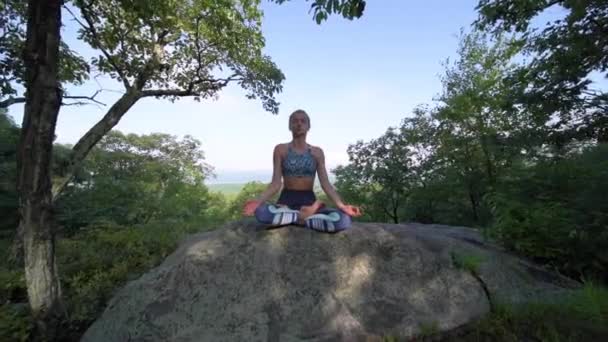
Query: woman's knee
[(344, 221), (272, 214), (263, 214), (329, 220)]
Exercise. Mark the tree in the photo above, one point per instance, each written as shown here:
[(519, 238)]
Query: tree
[(42, 102), (155, 49), (441, 162), (170, 50), (428, 186), (480, 129), (565, 53), (380, 172), (132, 179)]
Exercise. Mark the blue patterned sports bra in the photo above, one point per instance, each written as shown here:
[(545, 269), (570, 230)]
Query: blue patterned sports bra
[(299, 165)]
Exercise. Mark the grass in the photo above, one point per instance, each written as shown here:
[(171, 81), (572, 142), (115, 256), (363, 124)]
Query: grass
[(429, 329), (580, 316), (467, 262)]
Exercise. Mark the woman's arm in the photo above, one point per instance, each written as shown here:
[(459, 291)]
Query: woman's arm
[(273, 187), (276, 183), (324, 179), (329, 189)]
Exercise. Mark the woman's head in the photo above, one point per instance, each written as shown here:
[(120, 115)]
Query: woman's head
[(299, 122)]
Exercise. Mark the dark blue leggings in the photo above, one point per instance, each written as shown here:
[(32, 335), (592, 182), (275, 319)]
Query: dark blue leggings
[(327, 220)]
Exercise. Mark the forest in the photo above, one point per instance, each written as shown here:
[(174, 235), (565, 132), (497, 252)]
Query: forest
[(516, 146)]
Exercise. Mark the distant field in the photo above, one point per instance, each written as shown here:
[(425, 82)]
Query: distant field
[(227, 189)]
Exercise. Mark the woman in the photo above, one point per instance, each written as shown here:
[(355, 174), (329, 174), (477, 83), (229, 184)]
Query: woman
[(294, 167)]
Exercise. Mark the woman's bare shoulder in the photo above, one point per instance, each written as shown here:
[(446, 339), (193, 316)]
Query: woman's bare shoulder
[(281, 148), (316, 151)]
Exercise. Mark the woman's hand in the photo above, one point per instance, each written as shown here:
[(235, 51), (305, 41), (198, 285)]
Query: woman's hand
[(250, 207), (350, 210)]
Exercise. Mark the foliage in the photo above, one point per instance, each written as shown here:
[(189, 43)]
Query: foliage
[(15, 323), (227, 189), (177, 45), (9, 135), (468, 262), (579, 316), (131, 179), (90, 278), (555, 212), (440, 162), (565, 53), (379, 170), (72, 68), (249, 191), (429, 329), (480, 158), (322, 9)]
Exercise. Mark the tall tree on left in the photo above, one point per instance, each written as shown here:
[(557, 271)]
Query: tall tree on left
[(42, 103), (155, 48)]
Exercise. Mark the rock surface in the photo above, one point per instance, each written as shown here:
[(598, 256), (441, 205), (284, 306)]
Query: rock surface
[(242, 283)]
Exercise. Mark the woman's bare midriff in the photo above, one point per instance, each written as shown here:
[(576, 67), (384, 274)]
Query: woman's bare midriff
[(298, 183)]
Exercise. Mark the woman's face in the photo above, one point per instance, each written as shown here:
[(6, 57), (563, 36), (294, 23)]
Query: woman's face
[(299, 124)]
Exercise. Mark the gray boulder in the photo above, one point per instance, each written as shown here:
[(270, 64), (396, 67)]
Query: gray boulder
[(243, 283)]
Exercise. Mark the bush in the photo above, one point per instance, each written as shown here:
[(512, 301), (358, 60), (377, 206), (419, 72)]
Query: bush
[(90, 277), (555, 212), (93, 264), (580, 316), (15, 322)]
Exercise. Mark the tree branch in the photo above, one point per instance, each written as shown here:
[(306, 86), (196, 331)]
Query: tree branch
[(168, 92), (91, 28), (14, 100), (11, 101), (189, 90), (89, 98), (86, 143)]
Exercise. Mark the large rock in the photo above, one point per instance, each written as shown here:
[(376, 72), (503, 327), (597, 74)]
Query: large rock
[(241, 283)]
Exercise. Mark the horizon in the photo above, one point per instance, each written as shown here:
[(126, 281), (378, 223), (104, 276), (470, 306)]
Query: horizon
[(245, 176)]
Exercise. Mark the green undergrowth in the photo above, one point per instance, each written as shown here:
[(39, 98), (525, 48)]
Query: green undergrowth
[(93, 264), (580, 316)]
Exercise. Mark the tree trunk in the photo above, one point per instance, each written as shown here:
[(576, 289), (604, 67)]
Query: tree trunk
[(395, 214), (43, 100), (473, 205), (16, 253)]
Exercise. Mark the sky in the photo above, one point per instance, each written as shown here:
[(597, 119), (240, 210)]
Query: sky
[(354, 78)]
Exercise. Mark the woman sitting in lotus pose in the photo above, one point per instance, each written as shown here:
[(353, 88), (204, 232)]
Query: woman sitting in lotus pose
[(295, 166)]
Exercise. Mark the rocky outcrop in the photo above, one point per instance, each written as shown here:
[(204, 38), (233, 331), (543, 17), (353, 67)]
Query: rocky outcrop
[(243, 283)]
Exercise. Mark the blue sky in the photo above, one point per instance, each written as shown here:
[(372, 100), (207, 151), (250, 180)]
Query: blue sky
[(355, 79)]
